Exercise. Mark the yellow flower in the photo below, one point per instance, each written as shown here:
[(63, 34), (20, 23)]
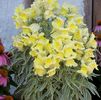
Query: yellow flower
[(93, 64), (35, 9), (57, 45), (39, 71), (17, 43), (66, 9), (56, 63), (51, 72), (25, 41), (19, 23), (71, 16), (69, 44), (34, 27), (51, 62), (83, 70), (23, 16), (39, 46), (48, 14), (79, 45), (72, 27), (79, 54), (60, 55), (48, 62), (33, 53), (71, 63), (39, 61), (92, 43), (20, 17), (50, 1), (87, 69), (77, 36), (58, 23), (89, 53), (69, 53), (19, 9), (32, 39), (61, 35), (48, 47), (31, 13), (51, 4), (79, 20), (86, 60), (26, 30)]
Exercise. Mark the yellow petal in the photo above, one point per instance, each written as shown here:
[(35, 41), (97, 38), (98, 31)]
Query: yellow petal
[(69, 53), (57, 45), (58, 22), (34, 27), (83, 70), (51, 72), (71, 63), (39, 71), (48, 62)]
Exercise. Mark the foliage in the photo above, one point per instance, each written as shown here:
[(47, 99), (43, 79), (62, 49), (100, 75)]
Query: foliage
[(65, 84), (55, 53)]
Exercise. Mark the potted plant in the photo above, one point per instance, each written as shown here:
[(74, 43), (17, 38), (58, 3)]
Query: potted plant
[(53, 53)]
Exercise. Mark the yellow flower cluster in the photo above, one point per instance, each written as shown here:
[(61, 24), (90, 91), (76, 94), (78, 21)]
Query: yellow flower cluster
[(67, 40)]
